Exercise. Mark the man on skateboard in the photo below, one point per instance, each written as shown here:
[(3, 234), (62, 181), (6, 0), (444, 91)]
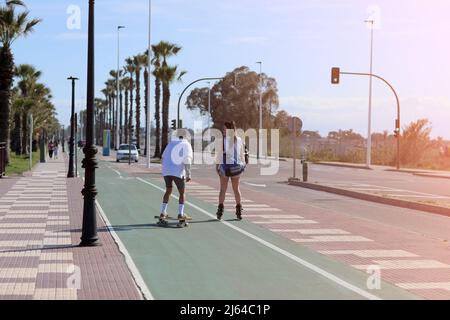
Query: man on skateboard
[(176, 168)]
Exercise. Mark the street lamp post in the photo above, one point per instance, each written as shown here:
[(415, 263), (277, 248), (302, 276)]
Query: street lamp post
[(89, 230), (184, 91), (76, 148), (209, 105), (63, 139), (70, 173), (369, 134), (335, 80), (260, 109), (118, 86), (149, 62)]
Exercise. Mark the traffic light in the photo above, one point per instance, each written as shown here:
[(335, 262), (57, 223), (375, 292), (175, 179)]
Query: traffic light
[(174, 124), (397, 128), (335, 75)]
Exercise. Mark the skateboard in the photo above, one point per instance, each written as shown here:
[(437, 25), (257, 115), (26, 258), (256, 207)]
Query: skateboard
[(165, 222)]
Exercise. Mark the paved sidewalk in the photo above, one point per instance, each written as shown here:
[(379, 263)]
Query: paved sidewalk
[(40, 221), (417, 172)]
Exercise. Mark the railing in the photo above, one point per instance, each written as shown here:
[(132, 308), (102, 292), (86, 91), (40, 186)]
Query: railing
[(2, 159)]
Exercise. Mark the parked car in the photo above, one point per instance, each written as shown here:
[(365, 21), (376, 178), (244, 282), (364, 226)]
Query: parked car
[(123, 153)]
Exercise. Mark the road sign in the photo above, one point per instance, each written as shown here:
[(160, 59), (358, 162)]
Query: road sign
[(295, 124)]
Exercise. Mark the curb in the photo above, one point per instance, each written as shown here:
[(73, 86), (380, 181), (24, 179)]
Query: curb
[(342, 165), (430, 175), (368, 197)]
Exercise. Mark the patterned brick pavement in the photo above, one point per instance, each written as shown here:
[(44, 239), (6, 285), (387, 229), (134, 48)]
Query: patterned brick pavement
[(40, 219), (409, 260)]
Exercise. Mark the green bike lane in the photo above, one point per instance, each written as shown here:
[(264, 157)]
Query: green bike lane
[(219, 260)]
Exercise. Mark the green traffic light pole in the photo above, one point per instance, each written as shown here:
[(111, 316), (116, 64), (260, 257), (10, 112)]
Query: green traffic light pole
[(185, 89), (397, 123)]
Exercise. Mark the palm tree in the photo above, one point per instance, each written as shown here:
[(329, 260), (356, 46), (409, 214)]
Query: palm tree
[(100, 107), (13, 25), (156, 61), (168, 75), (130, 68), (165, 50), (28, 77), (139, 61)]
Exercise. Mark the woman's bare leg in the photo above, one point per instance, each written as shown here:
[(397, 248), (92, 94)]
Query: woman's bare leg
[(235, 182), (223, 189)]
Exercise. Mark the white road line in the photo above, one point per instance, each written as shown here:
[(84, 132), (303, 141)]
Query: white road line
[(134, 270), (414, 196), (139, 281), (424, 285), (407, 264), (262, 209), (333, 239), (260, 206), (372, 253), (285, 253), (255, 184), (274, 216), (312, 231)]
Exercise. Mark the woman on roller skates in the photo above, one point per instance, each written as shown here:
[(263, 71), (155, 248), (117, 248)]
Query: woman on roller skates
[(230, 166)]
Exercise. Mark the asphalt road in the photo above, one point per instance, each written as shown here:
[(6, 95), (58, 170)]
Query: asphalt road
[(219, 260)]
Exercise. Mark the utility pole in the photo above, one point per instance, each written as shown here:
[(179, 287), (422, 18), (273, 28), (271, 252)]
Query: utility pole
[(369, 134)]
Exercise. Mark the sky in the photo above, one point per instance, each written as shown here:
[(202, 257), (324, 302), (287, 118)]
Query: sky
[(298, 41)]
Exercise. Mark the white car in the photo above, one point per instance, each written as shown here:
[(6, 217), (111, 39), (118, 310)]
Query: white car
[(124, 153)]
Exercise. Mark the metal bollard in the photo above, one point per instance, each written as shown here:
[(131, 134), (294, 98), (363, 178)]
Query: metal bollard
[(305, 170)]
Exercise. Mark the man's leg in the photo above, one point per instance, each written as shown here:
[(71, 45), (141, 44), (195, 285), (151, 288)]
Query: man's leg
[(166, 197), (181, 185)]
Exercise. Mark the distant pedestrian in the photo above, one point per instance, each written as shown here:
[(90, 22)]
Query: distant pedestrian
[(176, 167), (56, 150), (230, 165), (51, 147)]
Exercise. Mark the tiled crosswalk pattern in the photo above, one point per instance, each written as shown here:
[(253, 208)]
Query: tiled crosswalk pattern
[(359, 251), (32, 215)]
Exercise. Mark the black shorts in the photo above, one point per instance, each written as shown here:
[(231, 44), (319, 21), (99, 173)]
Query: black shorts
[(180, 183)]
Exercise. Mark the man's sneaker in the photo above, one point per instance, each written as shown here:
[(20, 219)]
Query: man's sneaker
[(220, 211), (239, 212), (163, 219), (184, 217)]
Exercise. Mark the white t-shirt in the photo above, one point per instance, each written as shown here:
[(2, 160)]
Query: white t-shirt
[(177, 154), (234, 150)]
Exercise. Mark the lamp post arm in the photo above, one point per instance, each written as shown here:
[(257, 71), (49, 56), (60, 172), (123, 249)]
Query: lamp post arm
[(398, 106), (184, 91)]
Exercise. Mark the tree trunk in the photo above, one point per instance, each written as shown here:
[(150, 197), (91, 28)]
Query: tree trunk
[(121, 117), (158, 118), (165, 116), (126, 126), (16, 136), (25, 133), (6, 81), (113, 130), (138, 109), (130, 116), (146, 109)]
